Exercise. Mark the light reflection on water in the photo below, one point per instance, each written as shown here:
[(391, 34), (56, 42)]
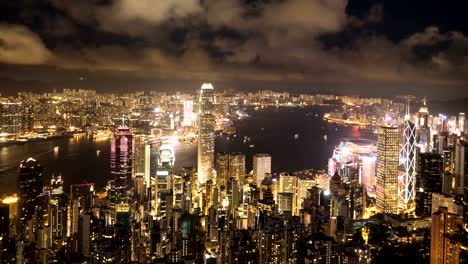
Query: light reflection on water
[(270, 130)]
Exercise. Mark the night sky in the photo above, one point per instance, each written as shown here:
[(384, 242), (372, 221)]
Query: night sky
[(375, 48)]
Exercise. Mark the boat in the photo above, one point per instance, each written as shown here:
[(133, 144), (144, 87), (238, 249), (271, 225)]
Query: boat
[(98, 152), (56, 149)]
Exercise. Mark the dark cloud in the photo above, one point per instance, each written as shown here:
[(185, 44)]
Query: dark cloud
[(290, 42)]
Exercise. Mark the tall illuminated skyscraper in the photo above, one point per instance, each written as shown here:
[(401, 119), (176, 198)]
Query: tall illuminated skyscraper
[(388, 148), (261, 166), (407, 161), (461, 168), (206, 124), (29, 185), (237, 166), (121, 163), (424, 133), (229, 165), (461, 123)]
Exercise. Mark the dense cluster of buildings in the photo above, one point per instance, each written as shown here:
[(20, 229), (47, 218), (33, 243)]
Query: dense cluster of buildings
[(406, 191)]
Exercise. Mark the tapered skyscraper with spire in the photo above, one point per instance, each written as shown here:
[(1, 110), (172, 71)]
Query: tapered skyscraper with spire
[(407, 161), (206, 124)]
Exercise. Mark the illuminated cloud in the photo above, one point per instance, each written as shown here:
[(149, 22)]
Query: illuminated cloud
[(18, 45), (305, 42)]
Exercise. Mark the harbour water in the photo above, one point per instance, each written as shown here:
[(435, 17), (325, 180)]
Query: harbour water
[(296, 138)]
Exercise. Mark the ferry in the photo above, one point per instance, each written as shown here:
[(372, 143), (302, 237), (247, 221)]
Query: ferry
[(56, 149)]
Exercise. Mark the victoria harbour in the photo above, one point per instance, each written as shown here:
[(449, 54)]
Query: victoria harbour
[(81, 160)]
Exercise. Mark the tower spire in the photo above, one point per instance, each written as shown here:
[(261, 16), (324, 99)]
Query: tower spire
[(123, 119)]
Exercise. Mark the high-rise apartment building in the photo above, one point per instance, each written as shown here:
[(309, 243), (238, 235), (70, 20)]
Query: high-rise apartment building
[(11, 118), (444, 250), (206, 124), (261, 166), (388, 148)]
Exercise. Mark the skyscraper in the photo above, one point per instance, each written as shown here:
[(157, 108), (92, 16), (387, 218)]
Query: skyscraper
[(387, 169), (461, 123), (206, 123), (237, 166), (428, 181), (461, 167), (222, 169), (443, 249), (29, 185), (261, 166), (230, 165), (407, 161), (121, 163), (424, 134)]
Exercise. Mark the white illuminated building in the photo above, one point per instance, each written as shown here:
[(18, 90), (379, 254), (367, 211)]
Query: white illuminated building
[(261, 166), (206, 126), (407, 162)]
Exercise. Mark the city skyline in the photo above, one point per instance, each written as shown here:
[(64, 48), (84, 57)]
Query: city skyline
[(233, 131)]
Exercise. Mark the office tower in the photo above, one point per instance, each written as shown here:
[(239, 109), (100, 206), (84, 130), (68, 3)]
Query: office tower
[(461, 123), (407, 161), (58, 209), (387, 169), (448, 182), (84, 234), (288, 185), (222, 169), (29, 185), (206, 124), (141, 166), (11, 118), (285, 203), (261, 166), (121, 163), (461, 167), (230, 165), (443, 249), (428, 181), (161, 189), (237, 167), (81, 202), (424, 133)]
